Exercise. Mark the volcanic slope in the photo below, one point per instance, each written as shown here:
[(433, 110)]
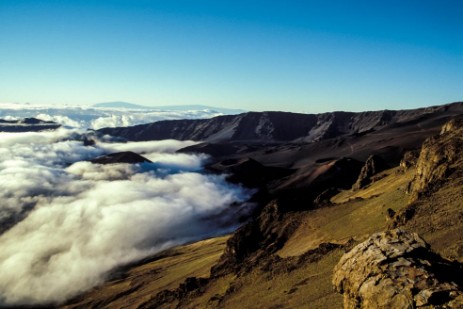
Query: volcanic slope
[(285, 256)]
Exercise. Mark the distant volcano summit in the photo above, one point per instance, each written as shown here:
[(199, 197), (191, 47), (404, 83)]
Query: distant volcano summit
[(127, 105)]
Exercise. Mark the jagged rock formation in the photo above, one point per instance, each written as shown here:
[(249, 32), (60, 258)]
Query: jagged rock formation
[(256, 239), (373, 165), (277, 126), (408, 160), (324, 197), (396, 269), (439, 156), (27, 125), (435, 206), (452, 126), (121, 157)]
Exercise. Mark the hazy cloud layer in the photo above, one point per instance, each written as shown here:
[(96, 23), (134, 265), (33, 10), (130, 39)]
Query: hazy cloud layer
[(73, 221), (96, 118)]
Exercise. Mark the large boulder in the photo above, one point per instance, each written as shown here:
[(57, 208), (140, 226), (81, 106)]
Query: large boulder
[(396, 269)]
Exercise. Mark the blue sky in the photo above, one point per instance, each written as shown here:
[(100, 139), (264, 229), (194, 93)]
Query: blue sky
[(306, 56)]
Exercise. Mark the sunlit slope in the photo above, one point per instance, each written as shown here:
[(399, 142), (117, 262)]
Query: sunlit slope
[(299, 274), (353, 214), (135, 285)]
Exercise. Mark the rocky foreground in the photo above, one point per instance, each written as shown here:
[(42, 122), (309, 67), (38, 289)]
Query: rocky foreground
[(397, 269)]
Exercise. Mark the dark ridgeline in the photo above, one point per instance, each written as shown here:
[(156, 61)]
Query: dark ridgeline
[(296, 157), (128, 157), (284, 126)]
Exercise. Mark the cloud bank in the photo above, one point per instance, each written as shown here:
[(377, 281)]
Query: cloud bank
[(97, 118), (69, 222)]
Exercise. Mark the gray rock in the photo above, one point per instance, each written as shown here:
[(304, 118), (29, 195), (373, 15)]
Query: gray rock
[(396, 269)]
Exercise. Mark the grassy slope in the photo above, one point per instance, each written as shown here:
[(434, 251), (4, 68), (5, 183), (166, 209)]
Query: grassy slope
[(309, 284), (139, 283), (354, 215), (439, 218)]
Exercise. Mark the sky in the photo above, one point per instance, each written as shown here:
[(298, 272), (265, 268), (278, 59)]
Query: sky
[(300, 56)]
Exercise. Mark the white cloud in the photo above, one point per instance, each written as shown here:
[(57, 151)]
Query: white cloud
[(97, 118), (169, 146), (61, 119), (162, 153), (89, 218)]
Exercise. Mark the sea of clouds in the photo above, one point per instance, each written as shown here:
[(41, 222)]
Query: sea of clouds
[(97, 118), (67, 222)]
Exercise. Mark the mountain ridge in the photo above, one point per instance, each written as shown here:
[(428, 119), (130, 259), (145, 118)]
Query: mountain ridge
[(27, 125), (128, 105), (280, 126)]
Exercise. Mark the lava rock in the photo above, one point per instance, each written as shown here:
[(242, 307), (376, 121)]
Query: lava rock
[(397, 269)]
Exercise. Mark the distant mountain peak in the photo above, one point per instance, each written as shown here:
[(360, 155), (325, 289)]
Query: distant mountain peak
[(121, 104)]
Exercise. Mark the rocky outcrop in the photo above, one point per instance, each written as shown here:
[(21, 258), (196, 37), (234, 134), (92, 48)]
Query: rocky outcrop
[(409, 160), (121, 157), (396, 269), (439, 156), (256, 240), (452, 126), (324, 198), (373, 165)]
